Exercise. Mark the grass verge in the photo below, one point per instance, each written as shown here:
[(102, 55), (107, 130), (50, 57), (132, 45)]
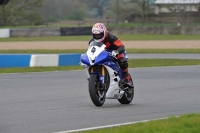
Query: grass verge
[(36, 51), (127, 37), (39, 69), (132, 63), (188, 123)]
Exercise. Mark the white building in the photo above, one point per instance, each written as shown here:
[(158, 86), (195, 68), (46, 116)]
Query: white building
[(167, 6)]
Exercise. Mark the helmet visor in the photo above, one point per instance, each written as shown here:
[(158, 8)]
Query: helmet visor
[(98, 36)]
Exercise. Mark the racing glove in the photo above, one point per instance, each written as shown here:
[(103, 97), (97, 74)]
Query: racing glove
[(115, 53)]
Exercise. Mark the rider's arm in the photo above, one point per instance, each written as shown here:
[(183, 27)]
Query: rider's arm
[(121, 49), (117, 43)]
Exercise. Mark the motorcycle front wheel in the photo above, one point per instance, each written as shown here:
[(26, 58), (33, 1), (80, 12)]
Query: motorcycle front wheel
[(96, 94)]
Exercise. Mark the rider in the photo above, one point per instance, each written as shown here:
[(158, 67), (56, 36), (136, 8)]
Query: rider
[(100, 34)]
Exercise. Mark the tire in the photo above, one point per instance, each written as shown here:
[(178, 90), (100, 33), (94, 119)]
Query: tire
[(95, 92), (128, 95)]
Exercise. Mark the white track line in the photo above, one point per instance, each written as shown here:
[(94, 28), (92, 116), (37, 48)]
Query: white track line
[(108, 126)]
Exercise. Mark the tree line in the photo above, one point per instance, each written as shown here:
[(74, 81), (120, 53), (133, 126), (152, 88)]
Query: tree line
[(38, 12), (35, 12)]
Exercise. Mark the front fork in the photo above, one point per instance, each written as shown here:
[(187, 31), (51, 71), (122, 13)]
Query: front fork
[(101, 72), (90, 70)]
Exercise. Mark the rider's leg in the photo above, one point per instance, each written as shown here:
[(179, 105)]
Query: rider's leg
[(123, 63)]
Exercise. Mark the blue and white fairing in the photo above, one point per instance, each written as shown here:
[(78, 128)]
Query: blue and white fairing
[(97, 55)]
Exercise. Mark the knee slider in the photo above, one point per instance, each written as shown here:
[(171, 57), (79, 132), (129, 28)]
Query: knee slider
[(123, 63)]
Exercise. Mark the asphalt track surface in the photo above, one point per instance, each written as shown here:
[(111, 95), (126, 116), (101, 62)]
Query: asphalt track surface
[(59, 101)]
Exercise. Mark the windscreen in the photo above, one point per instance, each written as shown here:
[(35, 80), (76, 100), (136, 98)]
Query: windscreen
[(93, 43)]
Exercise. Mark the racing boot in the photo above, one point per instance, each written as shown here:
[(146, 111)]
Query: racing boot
[(127, 78)]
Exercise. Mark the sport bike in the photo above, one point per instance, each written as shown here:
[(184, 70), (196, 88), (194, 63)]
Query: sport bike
[(105, 76)]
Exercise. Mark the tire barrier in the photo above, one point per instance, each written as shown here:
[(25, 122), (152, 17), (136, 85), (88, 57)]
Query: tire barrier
[(38, 60), (69, 59), (14, 60), (75, 31), (34, 32), (44, 60), (4, 33), (64, 31)]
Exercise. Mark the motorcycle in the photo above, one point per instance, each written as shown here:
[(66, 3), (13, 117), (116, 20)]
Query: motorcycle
[(105, 76)]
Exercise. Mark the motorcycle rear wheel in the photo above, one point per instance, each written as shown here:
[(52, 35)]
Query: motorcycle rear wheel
[(97, 96), (128, 95)]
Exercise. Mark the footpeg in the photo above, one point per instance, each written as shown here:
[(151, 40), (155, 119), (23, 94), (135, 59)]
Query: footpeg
[(123, 84)]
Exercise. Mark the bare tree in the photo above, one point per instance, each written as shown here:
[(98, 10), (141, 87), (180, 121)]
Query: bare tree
[(20, 11), (199, 11), (128, 9), (99, 5), (121, 9), (143, 7), (63, 9), (3, 2)]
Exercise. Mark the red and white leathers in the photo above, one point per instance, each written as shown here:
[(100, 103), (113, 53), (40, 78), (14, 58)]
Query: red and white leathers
[(114, 43)]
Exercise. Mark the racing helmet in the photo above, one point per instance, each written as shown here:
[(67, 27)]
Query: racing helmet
[(99, 32)]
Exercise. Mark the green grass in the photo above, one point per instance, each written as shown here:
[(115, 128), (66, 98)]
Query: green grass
[(163, 51), (43, 51), (110, 25), (133, 63), (162, 62), (188, 123), (151, 24), (158, 37), (88, 37), (84, 50), (39, 69), (54, 38)]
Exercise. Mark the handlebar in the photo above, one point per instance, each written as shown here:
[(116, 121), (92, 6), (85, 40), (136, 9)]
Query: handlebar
[(114, 57)]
